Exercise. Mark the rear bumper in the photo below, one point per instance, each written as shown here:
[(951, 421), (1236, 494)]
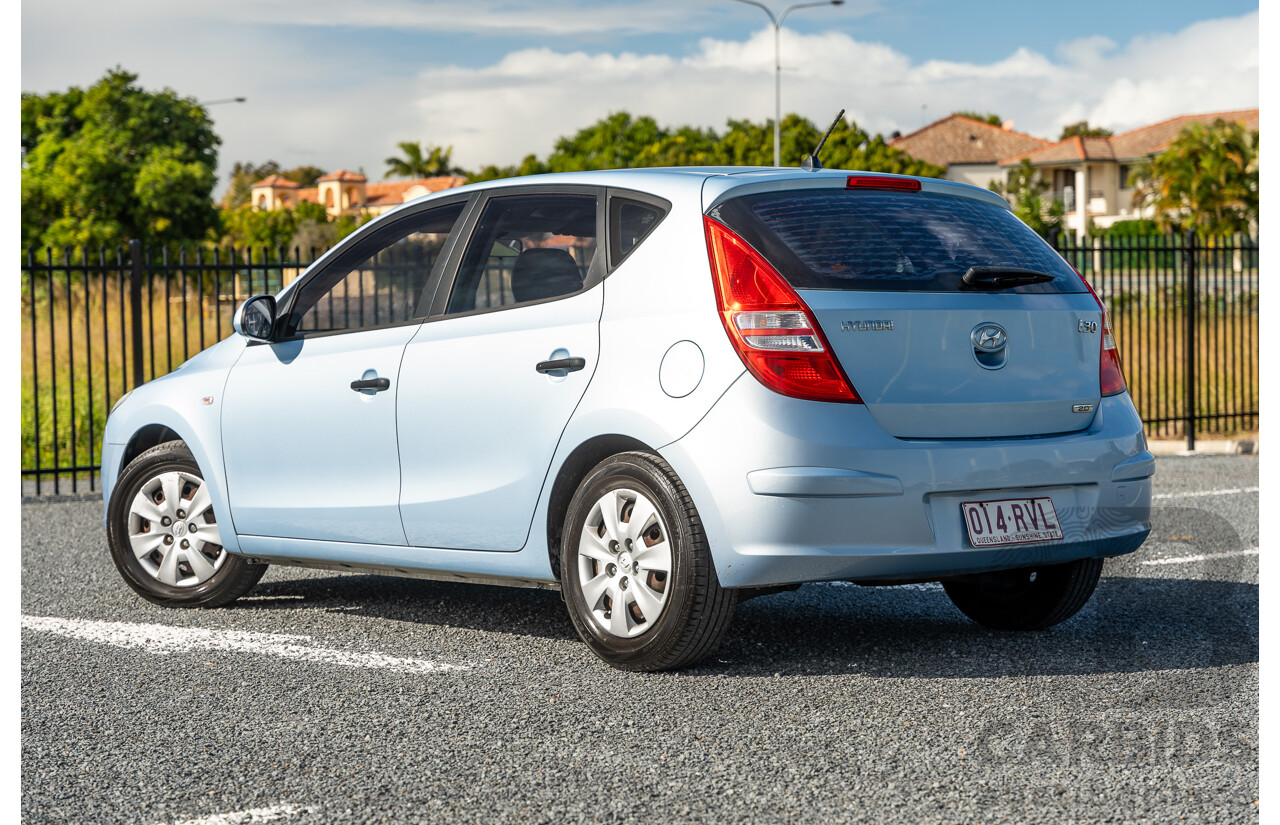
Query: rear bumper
[(793, 491)]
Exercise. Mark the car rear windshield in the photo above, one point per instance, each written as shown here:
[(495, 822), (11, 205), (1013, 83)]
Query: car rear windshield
[(889, 241)]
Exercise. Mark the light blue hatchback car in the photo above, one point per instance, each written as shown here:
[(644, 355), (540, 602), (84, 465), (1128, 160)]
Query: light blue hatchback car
[(662, 392)]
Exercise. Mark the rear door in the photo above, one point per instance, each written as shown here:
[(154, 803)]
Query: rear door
[(490, 381), (929, 354)]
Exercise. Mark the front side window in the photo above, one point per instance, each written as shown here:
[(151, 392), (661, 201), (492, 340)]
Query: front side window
[(379, 281), (526, 248)]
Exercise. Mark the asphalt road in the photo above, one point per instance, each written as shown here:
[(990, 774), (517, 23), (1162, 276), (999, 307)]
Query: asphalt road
[(329, 698)]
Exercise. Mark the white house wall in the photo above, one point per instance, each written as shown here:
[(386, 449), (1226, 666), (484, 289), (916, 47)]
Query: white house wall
[(976, 174)]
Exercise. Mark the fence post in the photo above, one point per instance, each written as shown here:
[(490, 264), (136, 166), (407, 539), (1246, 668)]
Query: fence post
[(1192, 351), (135, 306)]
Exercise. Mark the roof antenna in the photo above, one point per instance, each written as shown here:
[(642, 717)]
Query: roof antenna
[(811, 163)]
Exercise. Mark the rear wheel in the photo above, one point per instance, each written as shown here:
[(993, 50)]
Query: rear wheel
[(636, 570), (1028, 598), (164, 536)]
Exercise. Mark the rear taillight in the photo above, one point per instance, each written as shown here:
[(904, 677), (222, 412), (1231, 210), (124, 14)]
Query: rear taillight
[(770, 327), (1110, 376)]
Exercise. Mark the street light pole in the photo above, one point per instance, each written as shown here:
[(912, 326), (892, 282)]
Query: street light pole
[(224, 100), (777, 64)]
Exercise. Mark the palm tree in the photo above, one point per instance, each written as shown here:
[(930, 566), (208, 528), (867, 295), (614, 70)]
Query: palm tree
[(434, 161), (1207, 179)]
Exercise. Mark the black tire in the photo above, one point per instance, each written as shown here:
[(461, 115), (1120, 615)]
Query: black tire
[(697, 610), (1028, 598), (234, 575)]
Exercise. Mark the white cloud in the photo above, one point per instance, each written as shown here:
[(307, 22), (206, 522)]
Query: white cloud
[(525, 100), (558, 17), (339, 108)]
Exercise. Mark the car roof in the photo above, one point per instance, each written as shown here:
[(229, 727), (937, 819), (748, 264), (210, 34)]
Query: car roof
[(713, 183)]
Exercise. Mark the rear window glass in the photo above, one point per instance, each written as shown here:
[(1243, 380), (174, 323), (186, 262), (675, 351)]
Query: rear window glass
[(824, 239)]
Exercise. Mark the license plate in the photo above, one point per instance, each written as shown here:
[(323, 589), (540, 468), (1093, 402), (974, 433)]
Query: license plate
[(1011, 521)]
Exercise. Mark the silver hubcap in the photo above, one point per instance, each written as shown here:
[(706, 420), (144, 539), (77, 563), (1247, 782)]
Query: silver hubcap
[(173, 532), (624, 563)]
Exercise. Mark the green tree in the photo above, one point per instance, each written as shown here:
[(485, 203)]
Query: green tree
[(304, 176), (417, 162), (994, 120), (305, 225), (620, 141), (1027, 193), (849, 147), (1083, 129), (1207, 180), (115, 162), (614, 142), (243, 177), (245, 226)]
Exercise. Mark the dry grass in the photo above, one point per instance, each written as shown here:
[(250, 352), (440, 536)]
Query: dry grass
[(1152, 336), (79, 359)]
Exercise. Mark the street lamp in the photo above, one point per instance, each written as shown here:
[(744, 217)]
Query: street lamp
[(224, 100), (777, 64)]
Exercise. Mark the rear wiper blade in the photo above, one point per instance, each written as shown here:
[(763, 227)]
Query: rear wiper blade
[(1002, 277)]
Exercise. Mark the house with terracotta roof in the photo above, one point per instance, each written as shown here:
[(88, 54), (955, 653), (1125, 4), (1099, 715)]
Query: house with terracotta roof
[(970, 150), (1090, 175), (347, 193)]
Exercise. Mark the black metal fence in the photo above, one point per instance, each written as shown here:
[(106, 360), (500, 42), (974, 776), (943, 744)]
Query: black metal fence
[(96, 325), (1184, 310)]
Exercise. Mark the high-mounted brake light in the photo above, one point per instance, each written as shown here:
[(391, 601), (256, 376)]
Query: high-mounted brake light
[(1110, 375), (769, 326), (881, 182)]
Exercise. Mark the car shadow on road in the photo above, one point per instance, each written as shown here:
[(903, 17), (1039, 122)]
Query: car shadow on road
[(1133, 624)]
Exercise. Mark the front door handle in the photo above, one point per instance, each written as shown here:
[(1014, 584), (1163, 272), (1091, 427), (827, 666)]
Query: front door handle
[(375, 384), (565, 364)]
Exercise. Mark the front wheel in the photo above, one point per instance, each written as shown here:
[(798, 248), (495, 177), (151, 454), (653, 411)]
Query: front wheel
[(1026, 599), (164, 537), (636, 571)]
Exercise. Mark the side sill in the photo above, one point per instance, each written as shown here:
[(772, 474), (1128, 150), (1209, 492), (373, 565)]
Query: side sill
[(402, 571)]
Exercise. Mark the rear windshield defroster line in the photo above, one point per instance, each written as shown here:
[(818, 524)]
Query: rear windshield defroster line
[(890, 241)]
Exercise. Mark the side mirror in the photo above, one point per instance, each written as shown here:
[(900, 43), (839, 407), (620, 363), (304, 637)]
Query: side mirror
[(255, 319)]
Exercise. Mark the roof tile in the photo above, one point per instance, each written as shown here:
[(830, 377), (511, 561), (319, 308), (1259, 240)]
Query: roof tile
[(1132, 145), (959, 139)]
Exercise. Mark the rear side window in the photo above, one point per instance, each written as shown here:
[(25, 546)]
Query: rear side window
[(889, 241), (630, 222)]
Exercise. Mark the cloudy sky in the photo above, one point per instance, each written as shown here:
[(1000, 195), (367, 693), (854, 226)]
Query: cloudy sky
[(337, 83)]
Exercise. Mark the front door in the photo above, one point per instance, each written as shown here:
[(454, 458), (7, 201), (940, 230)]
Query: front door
[(309, 420)]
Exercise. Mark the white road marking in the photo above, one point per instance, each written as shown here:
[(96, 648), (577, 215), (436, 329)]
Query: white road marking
[(1252, 551), (1231, 491), (157, 638), (275, 813)]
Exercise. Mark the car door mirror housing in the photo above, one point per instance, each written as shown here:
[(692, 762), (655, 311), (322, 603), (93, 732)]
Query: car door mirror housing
[(255, 319)]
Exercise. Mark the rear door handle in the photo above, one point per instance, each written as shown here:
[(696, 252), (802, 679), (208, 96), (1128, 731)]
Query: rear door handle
[(565, 364), (375, 384)]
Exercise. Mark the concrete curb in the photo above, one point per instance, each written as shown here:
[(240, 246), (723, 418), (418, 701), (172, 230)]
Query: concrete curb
[(1242, 446)]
